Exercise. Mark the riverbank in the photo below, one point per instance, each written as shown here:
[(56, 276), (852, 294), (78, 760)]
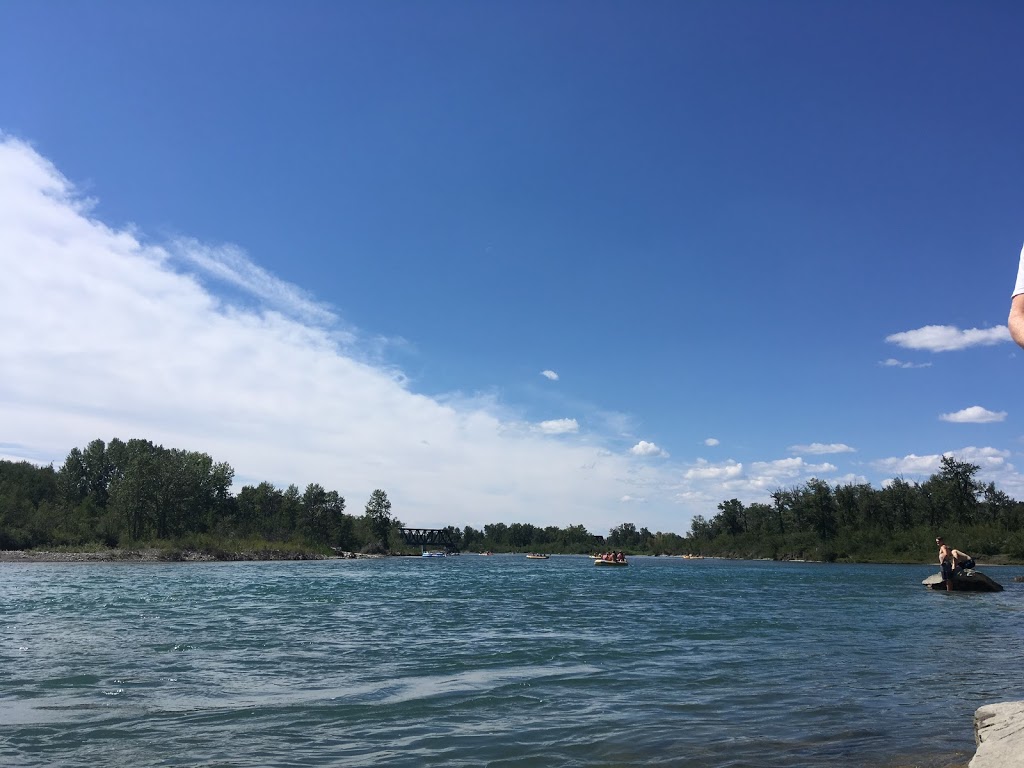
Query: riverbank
[(153, 555)]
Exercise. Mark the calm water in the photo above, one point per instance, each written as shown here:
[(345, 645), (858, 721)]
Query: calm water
[(498, 661)]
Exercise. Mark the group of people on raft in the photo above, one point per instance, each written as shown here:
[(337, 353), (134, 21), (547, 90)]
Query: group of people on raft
[(612, 557)]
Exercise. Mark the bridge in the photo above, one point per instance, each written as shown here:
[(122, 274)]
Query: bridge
[(429, 537)]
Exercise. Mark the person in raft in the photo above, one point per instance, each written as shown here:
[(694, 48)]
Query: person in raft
[(1015, 322)]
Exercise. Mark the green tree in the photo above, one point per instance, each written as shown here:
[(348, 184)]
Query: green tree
[(957, 490), (733, 516), (624, 536), (821, 508), (899, 500), (378, 517), (321, 515)]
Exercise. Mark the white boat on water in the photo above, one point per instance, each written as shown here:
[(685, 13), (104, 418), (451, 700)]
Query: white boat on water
[(434, 554)]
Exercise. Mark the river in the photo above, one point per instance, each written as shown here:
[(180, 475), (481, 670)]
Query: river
[(498, 661)]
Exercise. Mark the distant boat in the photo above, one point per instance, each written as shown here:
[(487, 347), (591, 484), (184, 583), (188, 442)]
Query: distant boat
[(487, 553), (602, 561), (535, 556), (434, 554)]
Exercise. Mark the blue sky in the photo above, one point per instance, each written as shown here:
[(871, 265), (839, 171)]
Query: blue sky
[(559, 262)]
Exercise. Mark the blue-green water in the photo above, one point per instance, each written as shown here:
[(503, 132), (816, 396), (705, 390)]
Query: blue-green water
[(498, 661)]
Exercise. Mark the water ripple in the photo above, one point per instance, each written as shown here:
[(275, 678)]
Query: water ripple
[(494, 661)]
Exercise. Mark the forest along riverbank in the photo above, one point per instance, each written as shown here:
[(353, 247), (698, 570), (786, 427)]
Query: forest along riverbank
[(167, 556)]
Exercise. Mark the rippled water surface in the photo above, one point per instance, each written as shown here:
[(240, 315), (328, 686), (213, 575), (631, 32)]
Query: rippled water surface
[(498, 661)]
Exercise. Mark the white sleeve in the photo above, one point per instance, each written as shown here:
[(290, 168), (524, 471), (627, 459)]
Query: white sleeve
[(1019, 287)]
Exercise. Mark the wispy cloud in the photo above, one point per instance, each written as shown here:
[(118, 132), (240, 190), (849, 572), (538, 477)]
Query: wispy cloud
[(549, 375), (818, 449), (947, 338), (974, 415), (892, 362), (231, 264), (712, 442)]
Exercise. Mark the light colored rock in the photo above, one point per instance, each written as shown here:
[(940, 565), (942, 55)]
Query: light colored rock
[(999, 734)]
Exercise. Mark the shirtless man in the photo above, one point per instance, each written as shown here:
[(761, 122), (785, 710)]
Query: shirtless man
[(945, 563)]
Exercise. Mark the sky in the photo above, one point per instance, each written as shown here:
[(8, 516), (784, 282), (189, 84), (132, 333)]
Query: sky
[(560, 263)]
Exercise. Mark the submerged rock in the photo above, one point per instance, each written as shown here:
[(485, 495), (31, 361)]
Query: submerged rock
[(965, 581)]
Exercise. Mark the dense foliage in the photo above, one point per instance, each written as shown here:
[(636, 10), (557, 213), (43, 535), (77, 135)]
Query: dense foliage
[(135, 493), (132, 493), (859, 523)]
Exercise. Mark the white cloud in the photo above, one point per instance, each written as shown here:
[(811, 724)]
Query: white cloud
[(819, 449), (711, 442), (644, 448), (708, 484), (946, 338), (993, 466), (549, 375), (849, 478), (911, 464), (120, 337), (559, 427), (892, 362), (704, 470), (771, 474), (231, 265), (974, 415)]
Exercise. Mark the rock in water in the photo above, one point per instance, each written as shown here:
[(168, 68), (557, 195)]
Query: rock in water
[(965, 581), (999, 734)]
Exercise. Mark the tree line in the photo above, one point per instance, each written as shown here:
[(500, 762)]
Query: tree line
[(125, 494), (135, 493), (857, 522)]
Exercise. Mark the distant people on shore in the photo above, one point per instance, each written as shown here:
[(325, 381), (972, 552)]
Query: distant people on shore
[(1015, 322)]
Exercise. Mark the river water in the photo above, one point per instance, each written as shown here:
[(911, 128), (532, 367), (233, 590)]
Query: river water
[(498, 661)]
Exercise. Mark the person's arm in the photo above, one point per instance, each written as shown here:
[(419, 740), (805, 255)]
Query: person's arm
[(1015, 322)]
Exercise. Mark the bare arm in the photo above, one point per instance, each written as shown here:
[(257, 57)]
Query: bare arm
[(1015, 321)]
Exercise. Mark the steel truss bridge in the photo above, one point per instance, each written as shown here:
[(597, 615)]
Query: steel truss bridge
[(429, 537)]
